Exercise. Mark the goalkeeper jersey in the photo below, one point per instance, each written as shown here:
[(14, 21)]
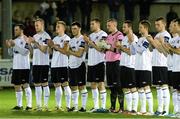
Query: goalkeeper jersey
[(111, 39)]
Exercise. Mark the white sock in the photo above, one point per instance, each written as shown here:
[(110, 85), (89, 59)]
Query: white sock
[(142, 98), (58, 96), (166, 98), (38, 93), (46, 95), (95, 95), (75, 96), (149, 99), (174, 98), (160, 99), (103, 98), (28, 93), (19, 96), (84, 96), (67, 91), (178, 102), (128, 98), (135, 99)]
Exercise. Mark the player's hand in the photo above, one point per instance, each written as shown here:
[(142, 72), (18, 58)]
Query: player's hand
[(117, 44), (31, 39), (149, 38), (86, 38), (50, 43), (66, 46), (161, 39), (27, 40), (130, 37), (8, 44)]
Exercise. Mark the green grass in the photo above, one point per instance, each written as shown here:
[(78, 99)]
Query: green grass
[(8, 100)]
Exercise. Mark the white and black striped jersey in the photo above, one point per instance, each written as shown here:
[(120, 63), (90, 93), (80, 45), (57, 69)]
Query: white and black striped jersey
[(59, 59), (159, 59), (143, 55), (128, 60), (75, 44), (21, 53), (176, 57), (95, 57), (40, 58)]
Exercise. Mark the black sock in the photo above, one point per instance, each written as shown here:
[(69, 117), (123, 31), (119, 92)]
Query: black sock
[(113, 97), (120, 96)]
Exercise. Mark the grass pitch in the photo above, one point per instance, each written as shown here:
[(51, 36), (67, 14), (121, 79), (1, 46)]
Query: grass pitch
[(8, 101)]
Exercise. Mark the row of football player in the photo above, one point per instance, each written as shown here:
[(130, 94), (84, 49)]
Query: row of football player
[(138, 58)]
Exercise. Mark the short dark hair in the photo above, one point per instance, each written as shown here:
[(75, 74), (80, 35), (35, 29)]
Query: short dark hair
[(76, 24), (96, 20), (177, 20), (21, 26), (129, 23), (161, 19), (146, 24)]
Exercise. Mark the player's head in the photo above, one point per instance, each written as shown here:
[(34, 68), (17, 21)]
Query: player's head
[(18, 29), (160, 24), (177, 25), (60, 27), (39, 25), (127, 26), (144, 26), (112, 25), (76, 28), (171, 27), (95, 25)]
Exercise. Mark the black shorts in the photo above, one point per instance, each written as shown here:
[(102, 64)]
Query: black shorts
[(170, 78), (143, 78), (127, 77), (20, 76), (176, 80), (113, 73), (40, 73), (160, 75), (77, 76), (59, 75), (96, 73)]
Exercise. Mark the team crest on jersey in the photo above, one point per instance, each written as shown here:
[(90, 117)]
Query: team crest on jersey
[(40, 38), (97, 37)]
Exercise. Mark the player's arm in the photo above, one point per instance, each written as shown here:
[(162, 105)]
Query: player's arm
[(141, 48), (173, 49), (42, 48), (79, 52), (91, 43), (10, 49), (12, 44), (119, 46), (63, 50), (56, 47), (156, 44), (161, 40), (28, 45)]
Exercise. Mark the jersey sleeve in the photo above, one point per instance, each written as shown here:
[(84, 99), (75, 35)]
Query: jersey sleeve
[(166, 39), (140, 48), (82, 44), (22, 51), (120, 36), (46, 38)]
